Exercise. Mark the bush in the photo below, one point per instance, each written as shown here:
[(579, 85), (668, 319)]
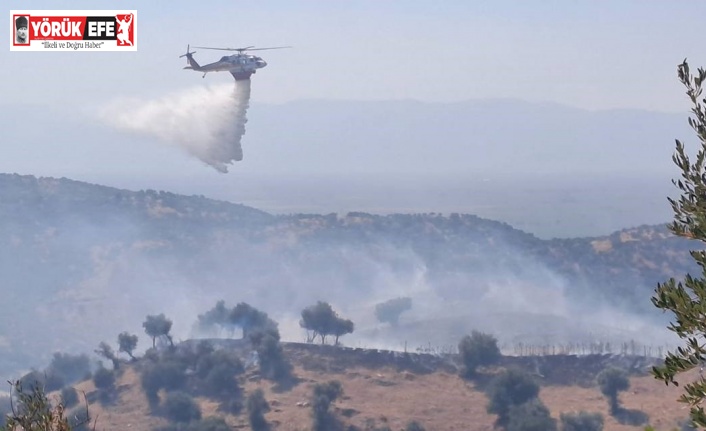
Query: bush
[(180, 407), (324, 395), (208, 359), (221, 381), (414, 426), (104, 378), (162, 375), (532, 415), (208, 424), (476, 350), (69, 396), (273, 364), (581, 421), (257, 407)]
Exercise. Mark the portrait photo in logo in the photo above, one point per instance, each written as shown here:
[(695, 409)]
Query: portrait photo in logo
[(21, 30)]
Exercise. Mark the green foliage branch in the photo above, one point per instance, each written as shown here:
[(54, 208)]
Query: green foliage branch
[(687, 299)]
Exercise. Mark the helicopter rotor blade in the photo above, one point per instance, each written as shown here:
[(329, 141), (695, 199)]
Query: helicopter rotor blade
[(224, 49), (247, 48), (273, 47)]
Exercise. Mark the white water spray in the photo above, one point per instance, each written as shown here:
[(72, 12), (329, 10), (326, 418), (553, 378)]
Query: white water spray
[(207, 122)]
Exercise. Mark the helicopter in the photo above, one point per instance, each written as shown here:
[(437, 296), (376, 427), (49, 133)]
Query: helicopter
[(240, 65)]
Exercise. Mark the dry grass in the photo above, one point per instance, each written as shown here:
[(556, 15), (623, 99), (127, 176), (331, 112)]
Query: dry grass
[(440, 401)]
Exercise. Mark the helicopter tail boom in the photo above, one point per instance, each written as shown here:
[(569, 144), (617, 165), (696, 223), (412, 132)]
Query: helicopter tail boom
[(192, 64)]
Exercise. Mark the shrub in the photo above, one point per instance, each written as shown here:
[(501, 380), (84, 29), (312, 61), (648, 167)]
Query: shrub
[(273, 364), (581, 421), (257, 407), (324, 395), (532, 415), (211, 423), (414, 426), (209, 359), (220, 381), (476, 350), (511, 388), (162, 375), (104, 378), (180, 407)]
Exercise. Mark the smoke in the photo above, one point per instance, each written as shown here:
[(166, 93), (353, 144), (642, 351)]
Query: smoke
[(207, 122)]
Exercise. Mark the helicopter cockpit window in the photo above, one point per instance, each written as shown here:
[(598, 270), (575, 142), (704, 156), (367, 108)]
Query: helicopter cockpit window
[(224, 58)]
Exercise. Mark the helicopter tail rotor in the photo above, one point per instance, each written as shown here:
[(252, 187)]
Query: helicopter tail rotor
[(188, 54)]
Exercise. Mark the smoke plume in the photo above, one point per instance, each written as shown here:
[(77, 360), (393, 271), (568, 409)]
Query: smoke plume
[(207, 122)]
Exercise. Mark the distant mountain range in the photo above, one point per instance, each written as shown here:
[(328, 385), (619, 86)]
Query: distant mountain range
[(479, 137), (81, 263)]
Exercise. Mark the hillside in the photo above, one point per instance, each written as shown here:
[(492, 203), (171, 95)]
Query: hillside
[(386, 389), (107, 257)]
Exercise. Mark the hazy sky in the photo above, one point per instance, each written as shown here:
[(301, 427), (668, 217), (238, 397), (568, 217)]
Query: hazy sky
[(591, 54), (588, 54)]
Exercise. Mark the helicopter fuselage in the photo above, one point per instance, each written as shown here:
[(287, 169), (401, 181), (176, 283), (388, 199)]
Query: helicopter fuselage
[(241, 66)]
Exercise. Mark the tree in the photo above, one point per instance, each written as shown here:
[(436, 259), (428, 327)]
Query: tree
[(686, 299), (250, 319), (127, 343), (389, 311), (322, 320), (476, 350), (511, 388), (106, 351), (158, 326), (611, 381), (342, 327), (257, 407), (581, 421)]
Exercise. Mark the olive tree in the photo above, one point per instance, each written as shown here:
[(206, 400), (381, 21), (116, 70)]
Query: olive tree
[(127, 343), (158, 326), (476, 350), (686, 299), (322, 320), (612, 381)]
